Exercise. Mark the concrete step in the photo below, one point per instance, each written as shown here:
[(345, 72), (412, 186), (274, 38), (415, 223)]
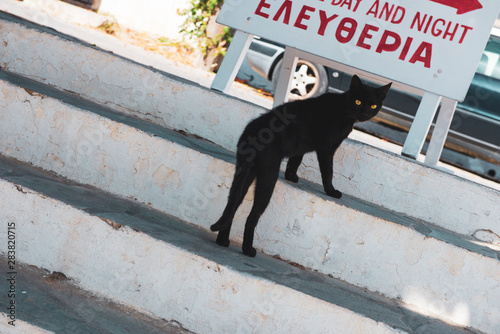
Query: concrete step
[(439, 273), (50, 302), (363, 171), (159, 265)]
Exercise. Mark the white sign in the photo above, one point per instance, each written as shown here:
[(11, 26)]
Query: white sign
[(433, 45)]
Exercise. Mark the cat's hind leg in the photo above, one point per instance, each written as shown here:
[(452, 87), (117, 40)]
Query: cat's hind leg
[(223, 236), (264, 188), (243, 178), (291, 168)]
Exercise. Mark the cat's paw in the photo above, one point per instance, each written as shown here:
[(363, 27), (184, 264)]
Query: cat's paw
[(292, 177), (249, 251), (218, 226), (224, 242), (333, 193)]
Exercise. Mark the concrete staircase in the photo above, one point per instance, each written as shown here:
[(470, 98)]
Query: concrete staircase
[(113, 171)]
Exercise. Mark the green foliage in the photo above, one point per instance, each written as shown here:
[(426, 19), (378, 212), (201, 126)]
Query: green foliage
[(197, 19)]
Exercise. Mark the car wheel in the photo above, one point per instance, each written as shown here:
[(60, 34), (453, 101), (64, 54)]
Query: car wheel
[(309, 80)]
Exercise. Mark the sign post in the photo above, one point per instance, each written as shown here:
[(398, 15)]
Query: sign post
[(421, 125), (285, 77), (441, 129), (427, 46), (232, 61)]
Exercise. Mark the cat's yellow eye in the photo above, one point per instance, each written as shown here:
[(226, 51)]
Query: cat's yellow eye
[(374, 106), (358, 102)]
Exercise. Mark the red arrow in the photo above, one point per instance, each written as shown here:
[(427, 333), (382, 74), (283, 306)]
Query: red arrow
[(462, 6)]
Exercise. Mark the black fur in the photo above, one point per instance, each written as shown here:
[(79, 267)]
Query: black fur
[(291, 130)]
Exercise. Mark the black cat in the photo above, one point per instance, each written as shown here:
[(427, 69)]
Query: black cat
[(319, 124)]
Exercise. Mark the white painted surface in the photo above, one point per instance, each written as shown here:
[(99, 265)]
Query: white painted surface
[(299, 226), (109, 80), (158, 17), (360, 170), (440, 59), (161, 279)]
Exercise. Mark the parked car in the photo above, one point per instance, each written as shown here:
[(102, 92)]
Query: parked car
[(474, 139)]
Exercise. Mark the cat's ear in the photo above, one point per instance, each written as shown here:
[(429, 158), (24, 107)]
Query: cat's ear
[(382, 91), (355, 83)]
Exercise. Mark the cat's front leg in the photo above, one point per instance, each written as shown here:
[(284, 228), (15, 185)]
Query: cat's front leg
[(325, 159), (291, 168)]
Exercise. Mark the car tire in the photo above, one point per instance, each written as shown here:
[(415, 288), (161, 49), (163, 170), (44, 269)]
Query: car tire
[(309, 80)]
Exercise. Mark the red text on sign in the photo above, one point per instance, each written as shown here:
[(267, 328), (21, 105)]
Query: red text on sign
[(387, 12), (439, 27), (370, 36)]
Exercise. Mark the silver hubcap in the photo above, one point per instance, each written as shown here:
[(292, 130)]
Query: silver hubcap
[(304, 81)]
